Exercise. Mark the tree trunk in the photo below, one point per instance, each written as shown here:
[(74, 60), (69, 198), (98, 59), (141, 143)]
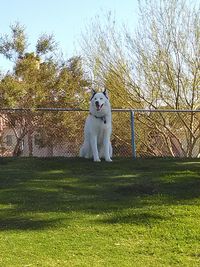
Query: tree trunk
[(17, 150), (30, 143)]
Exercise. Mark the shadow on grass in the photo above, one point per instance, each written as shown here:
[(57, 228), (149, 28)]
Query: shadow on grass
[(181, 189), (34, 186), (138, 219), (26, 223)]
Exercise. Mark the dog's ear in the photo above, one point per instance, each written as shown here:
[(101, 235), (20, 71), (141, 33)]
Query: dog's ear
[(93, 94), (105, 92)]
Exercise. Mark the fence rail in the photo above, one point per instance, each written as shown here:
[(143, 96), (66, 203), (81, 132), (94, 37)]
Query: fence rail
[(46, 132), (113, 110)]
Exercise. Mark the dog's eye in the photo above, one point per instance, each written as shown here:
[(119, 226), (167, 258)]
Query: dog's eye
[(101, 98), (95, 98)]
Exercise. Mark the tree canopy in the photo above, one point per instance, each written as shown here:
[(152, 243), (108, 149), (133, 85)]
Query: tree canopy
[(40, 78)]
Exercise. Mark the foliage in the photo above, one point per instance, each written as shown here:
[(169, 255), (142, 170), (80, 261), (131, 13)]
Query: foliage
[(39, 79), (13, 46)]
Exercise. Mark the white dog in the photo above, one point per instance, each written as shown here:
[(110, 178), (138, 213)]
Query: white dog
[(98, 128)]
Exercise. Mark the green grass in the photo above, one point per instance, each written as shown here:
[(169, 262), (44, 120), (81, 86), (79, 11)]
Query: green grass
[(73, 212)]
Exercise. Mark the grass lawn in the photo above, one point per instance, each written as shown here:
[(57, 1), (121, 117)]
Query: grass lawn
[(73, 212)]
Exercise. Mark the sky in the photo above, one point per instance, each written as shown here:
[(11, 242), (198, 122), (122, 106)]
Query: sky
[(66, 19)]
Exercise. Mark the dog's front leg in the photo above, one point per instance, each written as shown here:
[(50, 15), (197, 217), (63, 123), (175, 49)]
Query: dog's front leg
[(93, 142), (107, 148)]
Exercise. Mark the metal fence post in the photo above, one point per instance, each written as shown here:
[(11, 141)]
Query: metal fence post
[(133, 134)]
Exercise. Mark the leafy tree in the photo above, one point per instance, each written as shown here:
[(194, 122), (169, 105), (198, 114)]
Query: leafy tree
[(39, 78)]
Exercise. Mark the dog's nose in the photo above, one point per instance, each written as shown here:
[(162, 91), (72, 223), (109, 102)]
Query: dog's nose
[(97, 103)]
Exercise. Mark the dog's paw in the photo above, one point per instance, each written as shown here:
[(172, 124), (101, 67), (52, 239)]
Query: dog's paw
[(97, 160), (109, 160)]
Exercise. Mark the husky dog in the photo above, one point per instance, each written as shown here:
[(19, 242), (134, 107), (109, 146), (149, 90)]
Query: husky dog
[(98, 128)]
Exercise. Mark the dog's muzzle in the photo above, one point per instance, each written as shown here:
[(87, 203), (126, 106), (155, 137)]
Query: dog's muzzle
[(98, 106)]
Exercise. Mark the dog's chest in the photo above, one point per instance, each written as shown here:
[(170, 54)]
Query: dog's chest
[(99, 125)]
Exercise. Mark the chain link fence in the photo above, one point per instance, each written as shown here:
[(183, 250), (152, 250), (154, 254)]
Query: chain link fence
[(136, 133)]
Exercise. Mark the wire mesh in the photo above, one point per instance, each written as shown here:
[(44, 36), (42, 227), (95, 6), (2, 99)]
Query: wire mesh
[(59, 133), (168, 134)]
